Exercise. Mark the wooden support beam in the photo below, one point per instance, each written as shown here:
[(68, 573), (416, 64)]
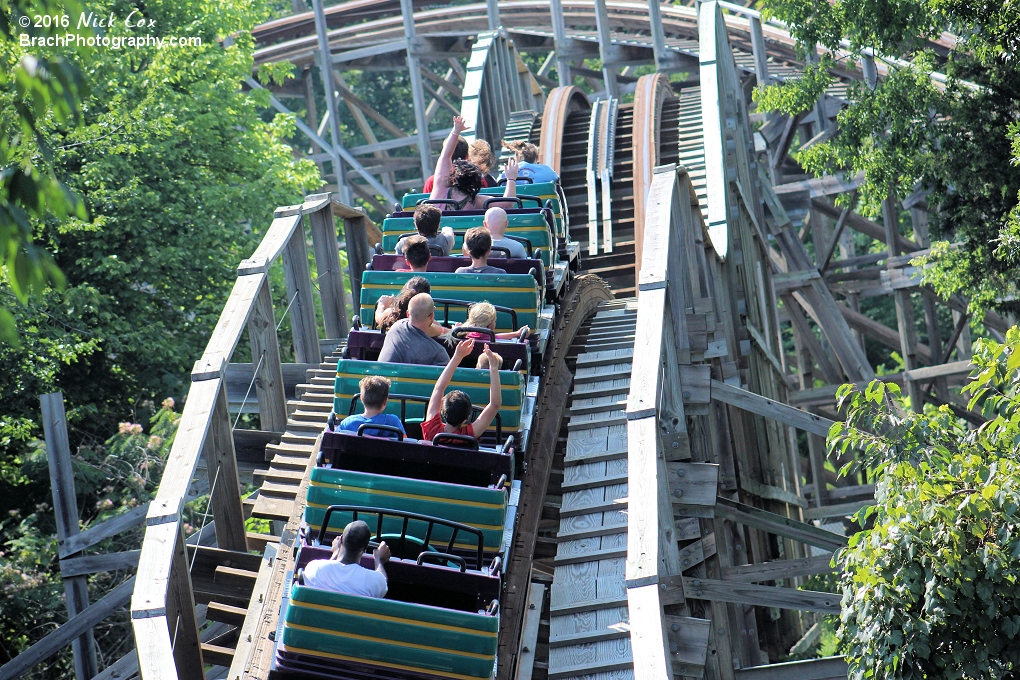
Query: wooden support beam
[(777, 524), (353, 100), (417, 91), (443, 83), (805, 335), (221, 466), (862, 224), (529, 636), (763, 406), (689, 640), (828, 668), (265, 349), (438, 97), (102, 531), (904, 306), (93, 564), (65, 510), (778, 570), (74, 628), (325, 68), (880, 332), (298, 278), (762, 596)]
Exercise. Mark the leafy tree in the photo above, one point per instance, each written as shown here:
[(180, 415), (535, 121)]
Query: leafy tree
[(932, 589), (950, 137), (178, 173), (110, 478), (44, 87)]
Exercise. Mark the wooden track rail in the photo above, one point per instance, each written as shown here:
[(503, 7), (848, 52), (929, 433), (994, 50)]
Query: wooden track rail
[(164, 598), (685, 409)]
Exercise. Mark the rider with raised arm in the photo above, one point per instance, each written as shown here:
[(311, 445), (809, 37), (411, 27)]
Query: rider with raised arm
[(460, 181), (451, 413)]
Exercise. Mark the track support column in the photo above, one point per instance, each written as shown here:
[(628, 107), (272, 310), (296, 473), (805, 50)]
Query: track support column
[(417, 89), (560, 42), (325, 69), (606, 51)]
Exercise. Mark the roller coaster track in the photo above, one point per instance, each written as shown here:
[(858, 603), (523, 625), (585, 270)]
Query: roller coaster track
[(670, 402)]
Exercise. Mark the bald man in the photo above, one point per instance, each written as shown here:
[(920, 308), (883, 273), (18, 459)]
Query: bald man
[(496, 222), (408, 342)]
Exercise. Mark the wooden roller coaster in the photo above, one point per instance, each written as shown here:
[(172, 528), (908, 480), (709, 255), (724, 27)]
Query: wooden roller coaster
[(663, 517)]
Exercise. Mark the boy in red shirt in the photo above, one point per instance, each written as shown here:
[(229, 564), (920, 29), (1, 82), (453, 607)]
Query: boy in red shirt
[(450, 414)]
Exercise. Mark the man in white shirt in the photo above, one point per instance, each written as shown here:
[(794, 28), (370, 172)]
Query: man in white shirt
[(343, 572)]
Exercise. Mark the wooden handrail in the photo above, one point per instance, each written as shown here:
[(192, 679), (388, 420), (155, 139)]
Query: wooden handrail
[(652, 553), (162, 602)]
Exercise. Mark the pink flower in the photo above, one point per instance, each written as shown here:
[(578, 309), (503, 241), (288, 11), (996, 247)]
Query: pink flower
[(168, 403), (136, 428), (124, 428), (155, 441)]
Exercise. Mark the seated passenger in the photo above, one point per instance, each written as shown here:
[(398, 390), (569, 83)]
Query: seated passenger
[(478, 246), (526, 154), (397, 308), (484, 361), (416, 254), (408, 341), (496, 222), (343, 573), (426, 223), (452, 412), (461, 152), (461, 181), (483, 315), (480, 153), (375, 393)]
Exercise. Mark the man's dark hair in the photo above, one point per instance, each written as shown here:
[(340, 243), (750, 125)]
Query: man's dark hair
[(426, 220), (375, 390), (478, 241), (460, 152), (356, 537), (466, 177), (456, 408), (416, 251)]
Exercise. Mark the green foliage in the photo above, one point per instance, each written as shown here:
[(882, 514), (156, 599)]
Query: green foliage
[(931, 590), (178, 173), (110, 478), (46, 91), (951, 137)]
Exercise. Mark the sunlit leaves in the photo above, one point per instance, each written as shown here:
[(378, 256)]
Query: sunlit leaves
[(932, 588), (950, 136)]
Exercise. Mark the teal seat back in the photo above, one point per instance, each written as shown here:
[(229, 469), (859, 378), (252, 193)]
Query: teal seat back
[(543, 190), (532, 226), (517, 291), (417, 380), (480, 507), (401, 636)]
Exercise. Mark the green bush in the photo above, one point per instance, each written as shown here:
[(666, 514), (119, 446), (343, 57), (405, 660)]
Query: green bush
[(932, 589)]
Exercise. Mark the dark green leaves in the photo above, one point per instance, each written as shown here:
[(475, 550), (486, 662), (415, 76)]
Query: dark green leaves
[(932, 590)]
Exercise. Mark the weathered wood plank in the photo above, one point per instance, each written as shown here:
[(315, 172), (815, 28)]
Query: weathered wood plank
[(764, 596), (529, 635), (72, 629), (779, 569), (777, 524), (92, 564), (102, 531), (228, 329), (763, 406), (828, 668)]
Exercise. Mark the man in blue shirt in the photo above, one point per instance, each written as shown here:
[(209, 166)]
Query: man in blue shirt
[(375, 393)]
